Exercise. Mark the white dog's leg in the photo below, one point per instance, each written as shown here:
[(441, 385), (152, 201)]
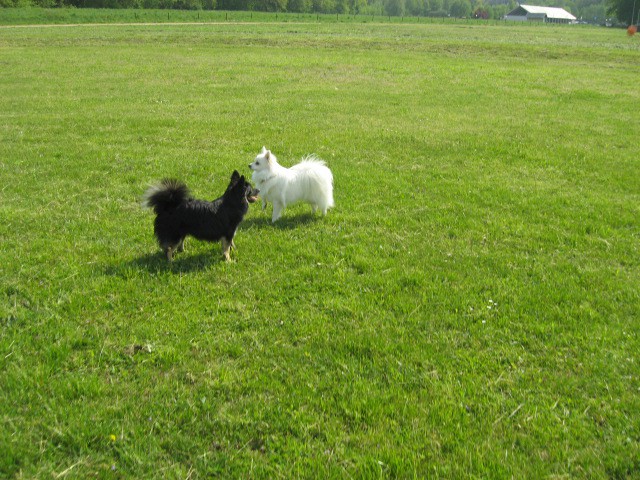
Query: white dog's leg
[(264, 204), (277, 211)]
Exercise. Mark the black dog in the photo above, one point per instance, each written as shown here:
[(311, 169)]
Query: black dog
[(179, 215)]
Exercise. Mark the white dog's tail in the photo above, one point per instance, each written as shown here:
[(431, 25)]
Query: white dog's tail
[(311, 162), (315, 168)]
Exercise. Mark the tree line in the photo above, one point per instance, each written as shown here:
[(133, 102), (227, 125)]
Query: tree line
[(591, 11), (424, 8)]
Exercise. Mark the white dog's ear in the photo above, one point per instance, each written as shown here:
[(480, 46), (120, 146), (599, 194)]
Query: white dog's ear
[(267, 155), (264, 150)]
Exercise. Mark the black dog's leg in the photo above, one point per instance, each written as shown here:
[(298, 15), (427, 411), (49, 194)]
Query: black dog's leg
[(170, 248), (226, 245), (180, 247)]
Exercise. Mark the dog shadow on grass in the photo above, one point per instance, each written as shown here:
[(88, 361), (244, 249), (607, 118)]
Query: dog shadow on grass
[(156, 263), (284, 223)]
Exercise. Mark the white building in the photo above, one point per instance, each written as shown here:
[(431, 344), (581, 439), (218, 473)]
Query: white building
[(528, 13)]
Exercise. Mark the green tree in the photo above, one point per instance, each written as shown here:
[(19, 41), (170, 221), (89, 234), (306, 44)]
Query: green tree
[(357, 6), (324, 6), (498, 12), (416, 7), (435, 6), (342, 6), (372, 7), (185, 4), (300, 6), (395, 8), (14, 3), (235, 5), (624, 10), (593, 13), (268, 6), (460, 8)]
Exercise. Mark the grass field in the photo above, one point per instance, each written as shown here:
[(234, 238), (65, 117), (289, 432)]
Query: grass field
[(468, 310)]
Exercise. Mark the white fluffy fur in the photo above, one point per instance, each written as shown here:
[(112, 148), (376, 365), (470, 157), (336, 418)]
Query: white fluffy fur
[(309, 181)]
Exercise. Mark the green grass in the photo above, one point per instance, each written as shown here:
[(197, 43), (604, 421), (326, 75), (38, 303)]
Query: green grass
[(468, 310)]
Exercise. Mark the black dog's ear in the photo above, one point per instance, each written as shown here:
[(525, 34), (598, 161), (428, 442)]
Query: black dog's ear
[(235, 176)]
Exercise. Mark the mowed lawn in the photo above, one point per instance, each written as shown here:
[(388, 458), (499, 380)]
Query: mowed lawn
[(469, 309)]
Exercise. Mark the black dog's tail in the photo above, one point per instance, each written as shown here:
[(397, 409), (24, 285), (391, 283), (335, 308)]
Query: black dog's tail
[(167, 194)]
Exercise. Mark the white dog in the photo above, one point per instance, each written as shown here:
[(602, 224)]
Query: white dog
[(309, 181)]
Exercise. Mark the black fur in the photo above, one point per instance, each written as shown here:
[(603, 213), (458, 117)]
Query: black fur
[(178, 214)]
